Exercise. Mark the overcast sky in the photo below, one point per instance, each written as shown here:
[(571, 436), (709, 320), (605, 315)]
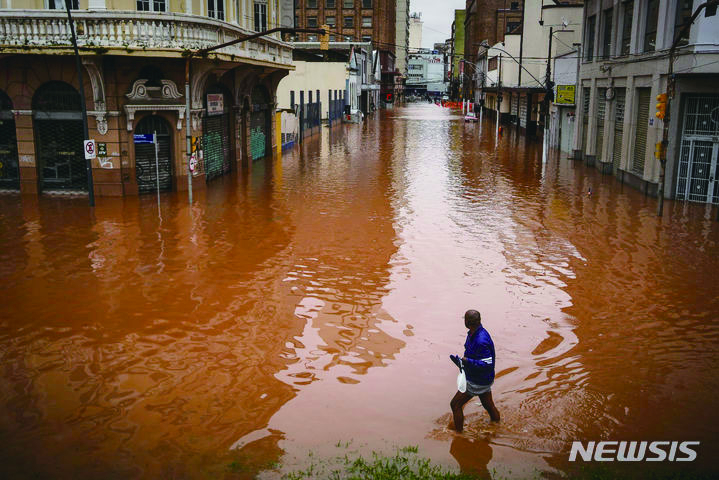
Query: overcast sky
[(437, 16)]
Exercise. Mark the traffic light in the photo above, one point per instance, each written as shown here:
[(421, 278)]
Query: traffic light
[(661, 106), (325, 38), (389, 98), (660, 150)]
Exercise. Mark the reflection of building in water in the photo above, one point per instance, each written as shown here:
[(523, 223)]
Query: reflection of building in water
[(342, 245), (144, 346)]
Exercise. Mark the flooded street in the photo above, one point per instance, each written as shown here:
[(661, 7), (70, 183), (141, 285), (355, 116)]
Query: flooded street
[(316, 298)]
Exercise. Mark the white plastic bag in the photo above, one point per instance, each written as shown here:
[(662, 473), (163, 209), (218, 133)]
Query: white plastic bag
[(461, 379)]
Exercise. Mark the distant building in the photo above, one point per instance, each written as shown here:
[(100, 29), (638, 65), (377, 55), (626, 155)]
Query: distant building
[(457, 55), (402, 36), (326, 86), (415, 32), (427, 73), (488, 21), (354, 21), (511, 74)]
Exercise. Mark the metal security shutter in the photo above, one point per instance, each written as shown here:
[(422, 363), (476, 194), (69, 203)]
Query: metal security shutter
[(9, 167), (640, 143), (260, 121), (601, 111), (60, 155), (619, 107), (216, 146), (585, 117), (146, 170), (258, 134), (523, 111), (58, 137)]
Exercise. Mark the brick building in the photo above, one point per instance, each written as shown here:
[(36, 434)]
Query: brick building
[(487, 20), (356, 21), (134, 58)]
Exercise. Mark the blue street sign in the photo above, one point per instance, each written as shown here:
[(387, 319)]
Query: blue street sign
[(144, 138)]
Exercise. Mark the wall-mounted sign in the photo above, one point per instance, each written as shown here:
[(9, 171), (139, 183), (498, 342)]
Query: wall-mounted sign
[(565, 94), (215, 104), (143, 138), (102, 149), (90, 149)]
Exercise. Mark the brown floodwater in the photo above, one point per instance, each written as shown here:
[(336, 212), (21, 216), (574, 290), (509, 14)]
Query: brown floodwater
[(309, 305)]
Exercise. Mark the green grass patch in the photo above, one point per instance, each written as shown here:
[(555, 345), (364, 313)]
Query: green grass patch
[(405, 464)]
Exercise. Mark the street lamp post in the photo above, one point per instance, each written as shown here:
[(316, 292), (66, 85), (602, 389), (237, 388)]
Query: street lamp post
[(83, 106)]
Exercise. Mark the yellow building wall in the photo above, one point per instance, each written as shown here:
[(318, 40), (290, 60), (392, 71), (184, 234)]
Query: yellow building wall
[(241, 18)]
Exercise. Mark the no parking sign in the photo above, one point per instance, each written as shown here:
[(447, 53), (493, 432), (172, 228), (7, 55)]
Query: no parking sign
[(90, 149)]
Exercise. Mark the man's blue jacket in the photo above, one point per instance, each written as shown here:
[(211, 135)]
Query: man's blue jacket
[(479, 352)]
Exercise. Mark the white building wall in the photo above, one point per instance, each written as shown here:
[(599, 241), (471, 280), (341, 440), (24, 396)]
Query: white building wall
[(402, 36), (310, 77), (415, 32)]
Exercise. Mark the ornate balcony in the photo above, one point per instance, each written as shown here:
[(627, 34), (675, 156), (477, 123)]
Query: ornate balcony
[(134, 33)]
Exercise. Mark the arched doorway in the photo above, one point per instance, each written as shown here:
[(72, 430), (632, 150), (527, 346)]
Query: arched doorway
[(9, 167), (57, 122), (146, 169), (260, 122), (217, 142)]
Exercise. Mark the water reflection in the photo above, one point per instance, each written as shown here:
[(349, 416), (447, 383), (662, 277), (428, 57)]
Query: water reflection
[(315, 298)]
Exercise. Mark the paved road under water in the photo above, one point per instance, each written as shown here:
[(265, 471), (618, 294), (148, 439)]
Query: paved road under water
[(316, 298)]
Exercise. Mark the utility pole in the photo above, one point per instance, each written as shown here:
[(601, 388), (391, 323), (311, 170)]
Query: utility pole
[(711, 5), (499, 94), (188, 132), (548, 84), (83, 106)]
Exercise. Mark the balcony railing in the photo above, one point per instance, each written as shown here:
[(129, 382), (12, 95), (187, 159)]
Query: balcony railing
[(117, 31)]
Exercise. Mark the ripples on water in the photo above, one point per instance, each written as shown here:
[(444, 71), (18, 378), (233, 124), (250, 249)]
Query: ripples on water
[(316, 297)]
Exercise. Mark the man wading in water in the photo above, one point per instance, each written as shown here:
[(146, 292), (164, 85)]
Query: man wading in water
[(478, 362)]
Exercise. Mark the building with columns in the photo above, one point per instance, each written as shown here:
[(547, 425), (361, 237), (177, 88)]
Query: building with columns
[(402, 36), (136, 57), (624, 66)]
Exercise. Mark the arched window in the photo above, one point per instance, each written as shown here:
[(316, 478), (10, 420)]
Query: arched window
[(56, 97)]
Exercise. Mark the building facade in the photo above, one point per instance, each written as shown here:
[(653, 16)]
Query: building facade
[(488, 21), (402, 37), (349, 20), (316, 80), (136, 58), (624, 66), (355, 21), (457, 55), (415, 32), (427, 73), (511, 76)]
